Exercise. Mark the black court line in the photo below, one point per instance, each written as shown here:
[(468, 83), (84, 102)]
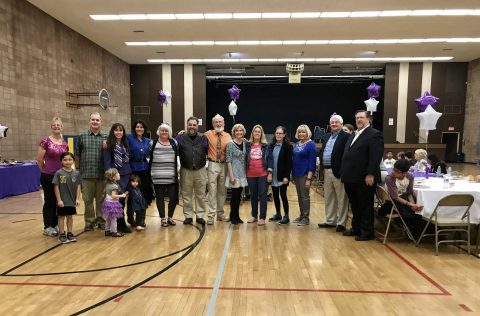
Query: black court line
[(153, 276), (25, 220), (8, 273)]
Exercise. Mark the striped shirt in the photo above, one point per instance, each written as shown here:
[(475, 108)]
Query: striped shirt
[(163, 164)]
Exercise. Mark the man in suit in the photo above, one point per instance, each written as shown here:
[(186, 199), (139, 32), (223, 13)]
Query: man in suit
[(336, 201), (360, 172)]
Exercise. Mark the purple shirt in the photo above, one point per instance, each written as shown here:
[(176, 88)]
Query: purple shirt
[(52, 155)]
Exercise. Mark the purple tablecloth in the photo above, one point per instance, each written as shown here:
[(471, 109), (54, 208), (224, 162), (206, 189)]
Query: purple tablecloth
[(19, 179)]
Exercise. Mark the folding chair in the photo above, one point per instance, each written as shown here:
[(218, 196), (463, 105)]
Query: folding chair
[(384, 196), (465, 200)]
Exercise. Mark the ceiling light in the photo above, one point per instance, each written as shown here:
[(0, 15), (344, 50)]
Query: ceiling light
[(363, 42), (271, 42), (161, 16), (189, 16), (247, 15), (316, 42), (193, 61), (248, 42), (459, 40), (229, 43), (294, 42), (218, 16), (276, 15), (286, 59), (324, 60), (364, 14), (335, 14), (442, 58), (386, 41), (153, 43), (104, 17), (132, 17), (181, 43), (459, 12), (410, 40), (212, 60), (395, 13), (341, 42), (136, 43), (434, 40), (305, 15), (267, 60), (203, 43), (425, 12)]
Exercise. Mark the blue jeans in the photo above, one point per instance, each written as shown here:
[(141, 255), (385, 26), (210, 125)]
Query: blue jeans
[(258, 192)]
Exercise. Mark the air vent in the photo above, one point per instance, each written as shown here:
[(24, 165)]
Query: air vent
[(141, 110), (452, 109)]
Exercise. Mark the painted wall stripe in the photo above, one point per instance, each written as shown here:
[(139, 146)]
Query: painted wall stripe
[(402, 102), (426, 86), (167, 85), (188, 90)]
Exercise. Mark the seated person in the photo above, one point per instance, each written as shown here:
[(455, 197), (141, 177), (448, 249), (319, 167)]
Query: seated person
[(401, 155), (409, 156), (399, 185), (436, 163), (421, 161), (389, 161)]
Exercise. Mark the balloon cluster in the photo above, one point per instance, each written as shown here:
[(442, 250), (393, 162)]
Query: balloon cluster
[(427, 116), (164, 97), (373, 92), (425, 100), (234, 93)]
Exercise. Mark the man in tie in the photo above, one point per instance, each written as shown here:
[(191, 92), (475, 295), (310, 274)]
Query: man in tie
[(360, 172), (217, 147), (336, 201)]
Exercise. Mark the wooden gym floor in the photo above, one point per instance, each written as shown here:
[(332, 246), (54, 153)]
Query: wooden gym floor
[(225, 270)]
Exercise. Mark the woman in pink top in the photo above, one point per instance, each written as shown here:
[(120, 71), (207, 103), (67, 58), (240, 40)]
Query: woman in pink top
[(48, 158), (257, 171)]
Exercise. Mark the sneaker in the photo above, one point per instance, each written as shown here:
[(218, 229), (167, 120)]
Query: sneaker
[(298, 219), (138, 228), (200, 221), (303, 222), (223, 218), (261, 222), (170, 222), (71, 237), (48, 231), (210, 221), (188, 221), (284, 221), (56, 229), (252, 220), (275, 218), (63, 239)]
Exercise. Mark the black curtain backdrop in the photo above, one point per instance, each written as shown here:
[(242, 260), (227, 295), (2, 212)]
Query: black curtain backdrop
[(273, 104)]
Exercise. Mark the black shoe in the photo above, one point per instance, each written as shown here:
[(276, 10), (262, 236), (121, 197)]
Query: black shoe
[(284, 221), (239, 220), (126, 230), (350, 232), (325, 225), (200, 221), (275, 218), (340, 228), (363, 238), (108, 233), (188, 221), (89, 228)]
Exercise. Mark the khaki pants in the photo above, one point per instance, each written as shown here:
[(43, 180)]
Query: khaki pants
[(93, 189), (217, 193), (193, 183), (336, 200), (303, 195)]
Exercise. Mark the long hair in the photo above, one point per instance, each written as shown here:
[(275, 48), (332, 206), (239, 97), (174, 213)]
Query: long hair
[(263, 140), (112, 141), (285, 139)]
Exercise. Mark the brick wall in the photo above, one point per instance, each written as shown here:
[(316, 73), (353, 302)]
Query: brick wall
[(471, 134), (41, 58)]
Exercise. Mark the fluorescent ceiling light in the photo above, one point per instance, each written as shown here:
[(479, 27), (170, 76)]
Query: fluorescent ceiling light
[(434, 40), (226, 43), (459, 12), (136, 43), (248, 42), (395, 13), (104, 17), (386, 41), (363, 42), (247, 15), (133, 17), (307, 60), (335, 14), (364, 14), (218, 16), (203, 43), (276, 15), (425, 12), (161, 16), (294, 42), (305, 15), (189, 16), (271, 42), (317, 42), (153, 43), (181, 43), (341, 42), (410, 40)]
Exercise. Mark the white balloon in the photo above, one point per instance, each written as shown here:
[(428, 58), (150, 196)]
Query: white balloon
[(371, 104), (232, 108), (168, 97), (428, 118), (3, 131)]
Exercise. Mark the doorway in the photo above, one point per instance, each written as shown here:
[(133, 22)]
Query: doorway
[(452, 140)]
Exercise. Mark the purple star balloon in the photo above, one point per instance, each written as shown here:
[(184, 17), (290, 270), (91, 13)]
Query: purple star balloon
[(162, 97), (373, 90), (234, 93), (426, 100)]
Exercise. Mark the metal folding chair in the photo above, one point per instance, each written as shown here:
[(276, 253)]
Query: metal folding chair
[(460, 224), (384, 196)]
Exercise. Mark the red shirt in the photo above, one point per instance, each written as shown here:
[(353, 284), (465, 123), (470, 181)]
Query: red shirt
[(255, 166)]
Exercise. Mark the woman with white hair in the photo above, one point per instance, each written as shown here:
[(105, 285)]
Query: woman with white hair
[(164, 172), (303, 168), (421, 158)]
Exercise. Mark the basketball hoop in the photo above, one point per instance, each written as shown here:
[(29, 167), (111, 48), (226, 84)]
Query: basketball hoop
[(294, 72)]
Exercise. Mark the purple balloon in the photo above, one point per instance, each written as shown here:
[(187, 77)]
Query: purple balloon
[(162, 97), (373, 90), (426, 100), (234, 92)]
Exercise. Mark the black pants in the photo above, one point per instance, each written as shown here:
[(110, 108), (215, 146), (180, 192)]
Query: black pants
[(50, 218), (235, 203), (140, 217), (145, 185), (361, 198), (162, 190), (282, 191)]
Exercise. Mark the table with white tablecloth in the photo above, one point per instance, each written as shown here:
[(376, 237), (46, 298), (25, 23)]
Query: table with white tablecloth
[(431, 190)]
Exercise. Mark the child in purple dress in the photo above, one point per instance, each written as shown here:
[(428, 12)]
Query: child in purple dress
[(112, 209)]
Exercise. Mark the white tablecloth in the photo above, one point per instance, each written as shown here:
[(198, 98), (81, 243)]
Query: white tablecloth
[(433, 191)]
